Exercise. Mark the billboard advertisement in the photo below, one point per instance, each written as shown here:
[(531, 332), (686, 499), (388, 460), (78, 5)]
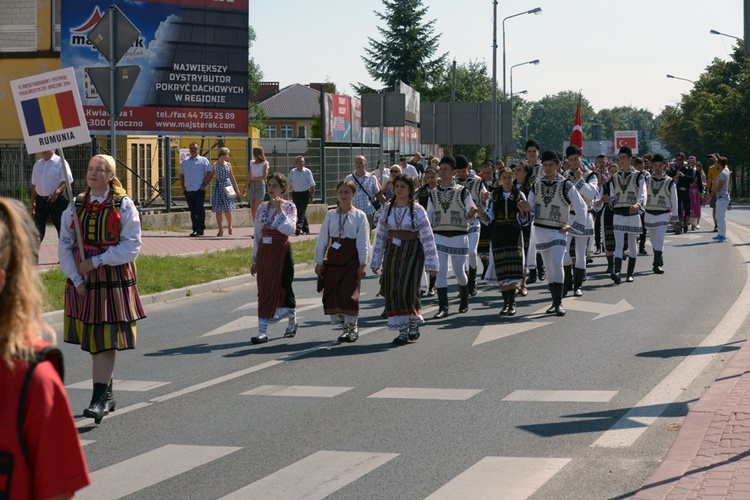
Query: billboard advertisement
[(193, 59)]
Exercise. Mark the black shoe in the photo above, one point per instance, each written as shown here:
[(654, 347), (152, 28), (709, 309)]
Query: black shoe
[(194, 233), (598, 251), (402, 339), (296, 232), (504, 310), (629, 278), (260, 339), (98, 407), (472, 281), (413, 333), (560, 310), (199, 233), (642, 251), (431, 291), (615, 277), (511, 309), (344, 337), (110, 404), (291, 332), (442, 313), (541, 274)]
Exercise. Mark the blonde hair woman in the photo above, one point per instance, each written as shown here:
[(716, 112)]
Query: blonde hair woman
[(102, 302), (221, 202)]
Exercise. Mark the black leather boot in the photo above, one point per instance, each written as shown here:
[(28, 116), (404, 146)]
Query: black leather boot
[(511, 302), (442, 294), (463, 295), (472, 281), (551, 310), (431, 289), (657, 263), (504, 310), (541, 270), (110, 406), (578, 281), (531, 276), (615, 275), (631, 269), (567, 280), (610, 264), (559, 309), (98, 407)]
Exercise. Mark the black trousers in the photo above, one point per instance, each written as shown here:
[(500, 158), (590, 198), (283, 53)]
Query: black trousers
[(195, 200), (301, 199), (683, 203), (45, 210), (597, 230)]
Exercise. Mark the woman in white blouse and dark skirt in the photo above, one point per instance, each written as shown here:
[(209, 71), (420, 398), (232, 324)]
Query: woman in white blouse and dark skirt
[(404, 245), (344, 240), (275, 220)]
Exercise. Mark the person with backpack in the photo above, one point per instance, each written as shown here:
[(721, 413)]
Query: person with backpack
[(40, 454)]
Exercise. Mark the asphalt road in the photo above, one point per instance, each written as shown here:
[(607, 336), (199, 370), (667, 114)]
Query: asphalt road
[(536, 406)]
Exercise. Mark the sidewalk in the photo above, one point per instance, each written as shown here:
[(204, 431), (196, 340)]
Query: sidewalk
[(172, 243)]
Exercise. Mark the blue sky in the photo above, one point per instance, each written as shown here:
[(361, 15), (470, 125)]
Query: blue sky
[(617, 52)]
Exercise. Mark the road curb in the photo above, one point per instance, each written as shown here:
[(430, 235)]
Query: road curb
[(190, 290)]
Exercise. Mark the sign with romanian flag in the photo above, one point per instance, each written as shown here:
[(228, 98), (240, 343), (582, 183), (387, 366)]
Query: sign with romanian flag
[(50, 111)]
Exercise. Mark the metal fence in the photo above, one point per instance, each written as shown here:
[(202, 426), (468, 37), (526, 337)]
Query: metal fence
[(149, 166)]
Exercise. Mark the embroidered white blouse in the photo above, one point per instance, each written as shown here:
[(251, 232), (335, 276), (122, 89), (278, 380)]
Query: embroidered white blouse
[(400, 220), (352, 225), (285, 222)]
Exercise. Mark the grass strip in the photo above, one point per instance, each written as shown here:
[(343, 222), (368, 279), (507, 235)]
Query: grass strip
[(158, 273)]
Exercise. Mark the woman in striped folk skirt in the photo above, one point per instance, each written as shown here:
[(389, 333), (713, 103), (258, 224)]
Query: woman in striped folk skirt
[(404, 245), (102, 302), (522, 172), (508, 210), (608, 221), (345, 239), (275, 220)]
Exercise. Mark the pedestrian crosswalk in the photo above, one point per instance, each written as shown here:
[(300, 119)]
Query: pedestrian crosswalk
[(319, 474)]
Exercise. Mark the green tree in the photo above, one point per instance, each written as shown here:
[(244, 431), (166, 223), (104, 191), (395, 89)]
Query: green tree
[(407, 49), (551, 119), (255, 77)]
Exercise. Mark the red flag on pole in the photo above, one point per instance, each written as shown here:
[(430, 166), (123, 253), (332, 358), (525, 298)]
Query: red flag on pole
[(576, 138)]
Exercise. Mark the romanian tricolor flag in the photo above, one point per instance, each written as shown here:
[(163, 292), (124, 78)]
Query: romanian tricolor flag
[(50, 113)]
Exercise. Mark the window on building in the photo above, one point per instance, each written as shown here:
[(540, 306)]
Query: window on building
[(286, 131), (18, 26), (271, 131)]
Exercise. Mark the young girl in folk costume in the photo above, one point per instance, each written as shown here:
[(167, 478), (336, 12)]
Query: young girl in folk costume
[(275, 220), (102, 302), (404, 245), (46, 460), (347, 230), (522, 173), (508, 210), (607, 215)]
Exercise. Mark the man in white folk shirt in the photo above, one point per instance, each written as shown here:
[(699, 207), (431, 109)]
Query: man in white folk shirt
[(48, 196), (302, 185), (450, 210), (587, 184), (628, 187), (553, 200), (660, 201)]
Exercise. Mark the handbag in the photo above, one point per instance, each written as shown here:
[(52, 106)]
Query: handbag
[(229, 190)]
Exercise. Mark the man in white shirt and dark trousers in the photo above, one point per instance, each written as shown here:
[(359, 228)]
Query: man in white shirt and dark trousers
[(48, 196), (195, 176), (302, 185)]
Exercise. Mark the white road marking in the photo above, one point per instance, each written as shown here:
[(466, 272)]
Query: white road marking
[(314, 477), (495, 331), (632, 425), (148, 469), (509, 478), (562, 396), (85, 442), (601, 310), (250, 322), (121, 385), (301, 302), (306, 391), (425, 393)]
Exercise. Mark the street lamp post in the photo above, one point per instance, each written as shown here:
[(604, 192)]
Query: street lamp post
[(520, 92), (714, 32), (535, 11), (535, 62), (680, 78)]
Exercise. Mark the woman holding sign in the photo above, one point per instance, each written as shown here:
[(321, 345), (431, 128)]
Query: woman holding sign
[(102, 302)]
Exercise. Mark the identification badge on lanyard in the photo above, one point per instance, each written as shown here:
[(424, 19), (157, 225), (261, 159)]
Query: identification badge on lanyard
[(267, 240), (396, 241), (335, 245)]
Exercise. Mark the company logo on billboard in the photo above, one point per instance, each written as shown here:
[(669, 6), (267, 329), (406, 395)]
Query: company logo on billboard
[(78, 36)]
